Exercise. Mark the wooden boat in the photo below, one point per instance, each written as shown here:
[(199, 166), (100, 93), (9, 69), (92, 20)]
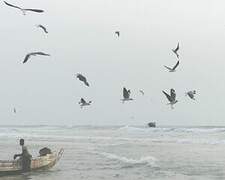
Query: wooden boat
[(14, 167)]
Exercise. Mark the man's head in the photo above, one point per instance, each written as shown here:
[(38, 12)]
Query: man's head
[(21, 142)]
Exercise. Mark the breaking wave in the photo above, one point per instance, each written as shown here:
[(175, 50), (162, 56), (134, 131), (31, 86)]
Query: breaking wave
[(147, 160)]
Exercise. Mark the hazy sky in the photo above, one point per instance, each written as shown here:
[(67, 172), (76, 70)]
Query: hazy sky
[(81, 39)]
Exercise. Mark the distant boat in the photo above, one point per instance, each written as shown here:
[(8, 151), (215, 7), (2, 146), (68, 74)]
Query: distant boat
[(152, 124)]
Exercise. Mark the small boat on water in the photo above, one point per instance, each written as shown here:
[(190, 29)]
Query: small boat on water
[(14, 167), (152, 124)]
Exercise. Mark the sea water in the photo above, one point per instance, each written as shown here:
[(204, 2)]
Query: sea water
[(121, 152)]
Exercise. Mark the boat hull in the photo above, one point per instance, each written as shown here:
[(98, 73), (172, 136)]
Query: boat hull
[(39, 163)]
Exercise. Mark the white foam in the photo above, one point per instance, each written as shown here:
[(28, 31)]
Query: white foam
[(147, 160)]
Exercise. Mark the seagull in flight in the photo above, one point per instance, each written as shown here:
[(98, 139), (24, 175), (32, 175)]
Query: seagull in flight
[(83, 79), (175, 50), (43, 28), (142, 92), (126, 95), (84, 103), (117, 33), (24, 10), (172, 69), (171, 98), (34, 54), (191, 94)]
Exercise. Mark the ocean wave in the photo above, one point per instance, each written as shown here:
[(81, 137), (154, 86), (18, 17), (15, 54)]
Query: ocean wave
[(173, 129), (147, 160)]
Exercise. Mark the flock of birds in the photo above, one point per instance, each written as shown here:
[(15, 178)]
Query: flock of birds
[(126, 92)]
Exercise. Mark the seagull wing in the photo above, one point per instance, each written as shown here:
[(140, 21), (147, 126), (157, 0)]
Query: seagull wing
[(12, 5), (126, 93), (35, 10), (82, 101), (168, 96), (177, 48), (83, 79), (26, 58), (176, 65), (41, 53), (44, 28), (142, 92), (172, 94), (191, 95), (168, 68)]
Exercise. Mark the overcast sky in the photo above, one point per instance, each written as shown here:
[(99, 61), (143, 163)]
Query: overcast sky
[(81, 39)]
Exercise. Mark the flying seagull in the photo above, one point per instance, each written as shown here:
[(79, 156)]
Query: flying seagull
[(191, 94), (43, 28), (34, 54), (126, 95), (174, 68), (175, 50), (84, 103), (142, 92), (83, 79), (171, 97), (24, 10), (117, 33)]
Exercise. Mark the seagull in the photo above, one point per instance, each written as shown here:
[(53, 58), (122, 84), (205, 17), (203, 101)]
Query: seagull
[(34, 54), (171, 97), (83, 79), (174, 68), (191, 94), (24, 10), (175, 50), (126, 95), (42, 27), (142, 92), (118, 33), (84, 103)]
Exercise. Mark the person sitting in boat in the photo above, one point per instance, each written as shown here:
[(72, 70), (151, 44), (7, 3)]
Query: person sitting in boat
[(25, 157)]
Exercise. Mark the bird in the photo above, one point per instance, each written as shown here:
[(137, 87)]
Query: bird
[(24, 10), (43, 28), (175, 50), (191, 94), (117, 33), (84, 103), (83, 79), (14, 110), (174, 68), (126, 95), (171, 97), (142, 92), (34, 54)]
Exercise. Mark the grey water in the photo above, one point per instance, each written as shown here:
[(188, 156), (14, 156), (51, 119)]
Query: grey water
[(122, 152)]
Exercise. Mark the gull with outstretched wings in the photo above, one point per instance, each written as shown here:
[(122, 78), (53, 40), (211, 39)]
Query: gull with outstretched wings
[(84, 103), (27, 57), (82, 78), (23, 9), (126, 95), (171, 98), (191, 94)]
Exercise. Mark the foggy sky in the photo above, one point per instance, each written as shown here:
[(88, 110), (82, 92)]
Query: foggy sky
[(81, 39)]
